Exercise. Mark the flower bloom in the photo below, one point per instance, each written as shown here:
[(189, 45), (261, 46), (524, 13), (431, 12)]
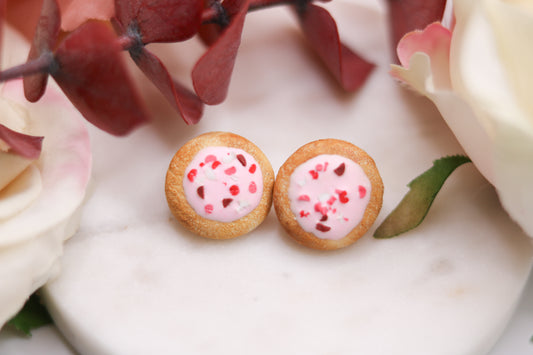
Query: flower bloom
[(40, 194), (479, 74)]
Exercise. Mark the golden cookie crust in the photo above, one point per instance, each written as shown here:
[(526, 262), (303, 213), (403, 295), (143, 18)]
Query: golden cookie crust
[(186, 215), (306, 152)]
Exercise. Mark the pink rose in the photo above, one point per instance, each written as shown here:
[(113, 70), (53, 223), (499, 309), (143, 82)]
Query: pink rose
[(40, 194), (478, 72)]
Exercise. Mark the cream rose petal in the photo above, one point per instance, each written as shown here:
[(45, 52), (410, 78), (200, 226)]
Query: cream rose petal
[(425, 56), (488, 73), (40, 216)]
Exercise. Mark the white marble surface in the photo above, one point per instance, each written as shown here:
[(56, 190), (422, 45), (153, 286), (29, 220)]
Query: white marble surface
[(47, 340), (134, 281)]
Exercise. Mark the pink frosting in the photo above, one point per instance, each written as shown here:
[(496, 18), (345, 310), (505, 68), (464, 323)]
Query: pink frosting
[(223, 184), (328, 194)]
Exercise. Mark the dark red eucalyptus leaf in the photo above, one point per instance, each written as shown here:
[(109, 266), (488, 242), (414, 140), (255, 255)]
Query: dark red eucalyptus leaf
[(212, 73), (160, 20), (409, 15), (183, 100), (320, 29), (21, 144), (93, 75), (209, 33), (44, 41), (3, 11)]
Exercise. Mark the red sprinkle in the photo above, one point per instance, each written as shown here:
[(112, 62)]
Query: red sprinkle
[(252, 187), (362, 191), (322, 228), (342, 196), (215, 164), (331, 200), (320, 208), (192, 174), (226, 202), (200, 192), (340, 169), (319, 167), (234, 190), (208, 209), (324, 218), (210, 158), (241, 159), (252, 168), (230, 171), (304, 214), (314, 174), (304, 198), (202, 164)]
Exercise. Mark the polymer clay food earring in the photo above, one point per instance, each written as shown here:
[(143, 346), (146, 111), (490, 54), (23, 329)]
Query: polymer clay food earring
[(328, 194), (219, 185)]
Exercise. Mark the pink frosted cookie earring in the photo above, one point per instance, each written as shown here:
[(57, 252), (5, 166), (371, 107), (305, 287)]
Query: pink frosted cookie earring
[(328, 194), (219, 185)]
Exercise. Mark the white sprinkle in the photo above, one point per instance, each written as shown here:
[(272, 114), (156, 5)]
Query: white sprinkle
[(229, 157), (242, 204), (210, 174), (324, 198), (302, 183)]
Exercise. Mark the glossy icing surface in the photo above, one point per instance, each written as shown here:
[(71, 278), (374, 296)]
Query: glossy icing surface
[(328, 195), (223, 183)]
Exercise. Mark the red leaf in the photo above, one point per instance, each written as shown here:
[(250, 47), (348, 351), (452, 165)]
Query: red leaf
[(409, 15), (3, 11), (212, 24), (45, 38), (320, 29), (160, 20), (183, 100), (22, 144), (94, 77), (212, 73), (23, 15)]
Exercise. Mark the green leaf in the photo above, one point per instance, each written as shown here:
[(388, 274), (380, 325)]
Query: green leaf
[(416, 203), (32, 315)]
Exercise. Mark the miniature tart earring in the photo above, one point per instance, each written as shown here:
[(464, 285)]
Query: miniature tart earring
[(328, 194), (219, 185)]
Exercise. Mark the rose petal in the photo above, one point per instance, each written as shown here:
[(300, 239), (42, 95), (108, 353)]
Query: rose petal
[(22, 144), (32, 240), (435, 41), (481, 74)]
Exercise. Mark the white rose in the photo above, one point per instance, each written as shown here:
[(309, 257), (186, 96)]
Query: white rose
[(39, 199), (479, 74)]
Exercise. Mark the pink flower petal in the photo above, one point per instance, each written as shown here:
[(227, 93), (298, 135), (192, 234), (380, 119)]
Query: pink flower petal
[(22, 144), (435, 41)]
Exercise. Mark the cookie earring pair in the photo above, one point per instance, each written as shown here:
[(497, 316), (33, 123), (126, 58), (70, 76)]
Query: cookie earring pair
[(326, 195)]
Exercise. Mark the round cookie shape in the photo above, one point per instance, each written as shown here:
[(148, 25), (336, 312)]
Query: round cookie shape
[(219, 185), (328, 194)]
